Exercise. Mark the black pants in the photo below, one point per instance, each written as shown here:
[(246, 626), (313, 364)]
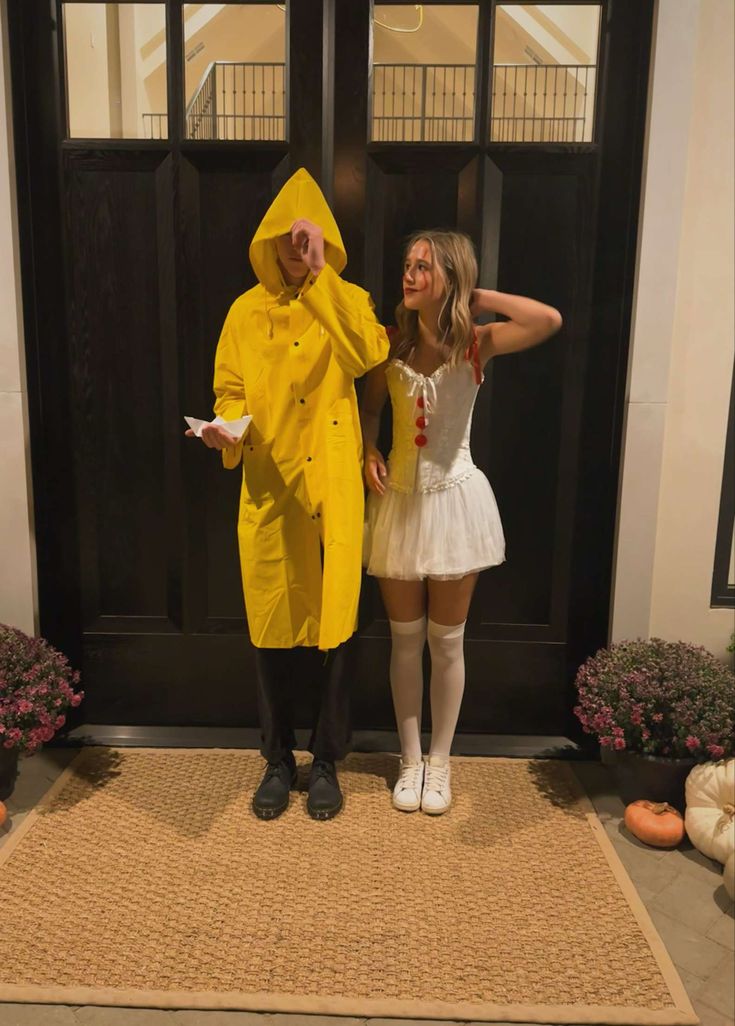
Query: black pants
[(286, 676)]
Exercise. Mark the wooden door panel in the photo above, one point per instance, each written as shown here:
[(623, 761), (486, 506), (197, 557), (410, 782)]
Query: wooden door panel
[(169, 679), (527, 423), (118, 433)]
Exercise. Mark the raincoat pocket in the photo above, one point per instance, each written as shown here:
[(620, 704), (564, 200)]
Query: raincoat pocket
[(344, 472), (259, 480), (340, 436)]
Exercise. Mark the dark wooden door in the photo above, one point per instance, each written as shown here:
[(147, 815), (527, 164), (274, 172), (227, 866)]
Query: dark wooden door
[(556, 222), (132, 253)]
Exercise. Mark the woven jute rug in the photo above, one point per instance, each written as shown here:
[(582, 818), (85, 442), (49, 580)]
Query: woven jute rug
[(143, 878)]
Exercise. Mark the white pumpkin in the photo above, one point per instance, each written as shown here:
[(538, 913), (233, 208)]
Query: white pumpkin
[(728, 877), (710, 808)]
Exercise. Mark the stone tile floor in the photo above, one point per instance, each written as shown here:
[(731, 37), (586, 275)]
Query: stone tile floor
[(681, 889)]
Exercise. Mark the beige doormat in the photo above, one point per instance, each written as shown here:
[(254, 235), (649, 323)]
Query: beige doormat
[(143, 878)]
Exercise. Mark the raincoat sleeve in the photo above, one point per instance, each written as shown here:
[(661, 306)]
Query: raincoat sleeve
[(347, 314), (229, 390)]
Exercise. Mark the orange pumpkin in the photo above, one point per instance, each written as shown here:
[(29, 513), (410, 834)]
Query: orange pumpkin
[(656, 823), (3, 813)]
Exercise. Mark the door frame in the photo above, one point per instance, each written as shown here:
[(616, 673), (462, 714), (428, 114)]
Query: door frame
[(316, 63)]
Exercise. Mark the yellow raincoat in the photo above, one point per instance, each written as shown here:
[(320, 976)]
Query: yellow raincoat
[(289, 356)]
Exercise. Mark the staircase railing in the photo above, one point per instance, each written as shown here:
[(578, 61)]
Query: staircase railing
[(423, 102), (410, 103), (543, 102), (239, 100), (234, 100), (201, 112)]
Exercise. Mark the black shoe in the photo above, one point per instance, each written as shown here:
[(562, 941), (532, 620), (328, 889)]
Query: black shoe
[(271, 798), (325, 798)]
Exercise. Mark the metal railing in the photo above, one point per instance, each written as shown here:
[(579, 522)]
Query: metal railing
[(410, 103), (436, 103), (239, 100), (201, 113), (542, 103), (155, 126), (234, 100), (423, 102)]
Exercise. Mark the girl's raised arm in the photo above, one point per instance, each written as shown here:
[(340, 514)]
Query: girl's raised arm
[(530, 322)]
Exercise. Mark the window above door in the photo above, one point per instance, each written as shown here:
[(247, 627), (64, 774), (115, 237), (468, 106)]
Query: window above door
[(425, 73), (233, 79), (116, 77), (235, 71), (424, 70), (230, 78), (544, 72)]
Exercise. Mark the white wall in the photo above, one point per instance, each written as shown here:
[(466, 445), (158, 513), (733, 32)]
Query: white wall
[(447, 36), (107, 60), (85, 34), (703, 346), (18, 600), (682, 344)]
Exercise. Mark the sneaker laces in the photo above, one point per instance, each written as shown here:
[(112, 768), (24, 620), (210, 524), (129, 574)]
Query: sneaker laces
[(409, 778), (437, 777)]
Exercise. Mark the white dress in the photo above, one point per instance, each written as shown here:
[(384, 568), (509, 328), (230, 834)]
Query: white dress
[(438, 517)]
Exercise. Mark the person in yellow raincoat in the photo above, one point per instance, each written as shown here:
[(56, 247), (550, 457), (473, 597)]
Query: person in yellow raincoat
[(288, 355)]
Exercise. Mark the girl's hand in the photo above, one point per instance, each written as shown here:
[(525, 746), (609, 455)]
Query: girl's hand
[(214, 437), (308, 241), (375, 471)]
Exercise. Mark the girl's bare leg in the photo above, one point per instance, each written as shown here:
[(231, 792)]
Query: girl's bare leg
[(449, 601)]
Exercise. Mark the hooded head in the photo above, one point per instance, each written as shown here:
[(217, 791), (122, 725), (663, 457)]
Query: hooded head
[(299, 198)]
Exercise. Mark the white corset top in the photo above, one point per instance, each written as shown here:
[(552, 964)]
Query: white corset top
[(432, 417)]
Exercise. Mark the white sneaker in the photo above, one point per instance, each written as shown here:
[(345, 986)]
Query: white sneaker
[(437, 795), (407, 792)]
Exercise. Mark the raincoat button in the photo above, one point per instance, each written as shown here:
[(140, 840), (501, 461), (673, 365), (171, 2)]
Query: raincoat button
[(335, 422), (302, 401), (420, 402), (308, 459), (421, 440), (296, 343)]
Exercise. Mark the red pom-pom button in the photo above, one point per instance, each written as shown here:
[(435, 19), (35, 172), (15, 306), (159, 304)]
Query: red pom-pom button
[(420, 402), (421, 422), (421, 440)]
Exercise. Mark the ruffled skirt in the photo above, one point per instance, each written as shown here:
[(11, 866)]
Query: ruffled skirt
[(444, 534)]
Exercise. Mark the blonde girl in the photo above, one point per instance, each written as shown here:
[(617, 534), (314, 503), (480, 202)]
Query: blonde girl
[(432, 520)]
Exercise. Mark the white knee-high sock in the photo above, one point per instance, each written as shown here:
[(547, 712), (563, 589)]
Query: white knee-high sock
[(407, 682), (446, 645)]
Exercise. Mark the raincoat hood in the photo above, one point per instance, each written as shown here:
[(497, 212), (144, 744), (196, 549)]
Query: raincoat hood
[(299, 198)]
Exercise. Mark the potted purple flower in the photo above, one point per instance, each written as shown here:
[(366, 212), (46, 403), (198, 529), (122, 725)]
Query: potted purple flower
[(657, 708), (36, 690)]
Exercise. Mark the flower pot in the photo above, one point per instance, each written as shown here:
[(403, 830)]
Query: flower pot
[(8, 771), (655, 777)]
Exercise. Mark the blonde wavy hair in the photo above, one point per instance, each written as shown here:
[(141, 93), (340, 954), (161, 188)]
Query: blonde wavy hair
[(454, 255)]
